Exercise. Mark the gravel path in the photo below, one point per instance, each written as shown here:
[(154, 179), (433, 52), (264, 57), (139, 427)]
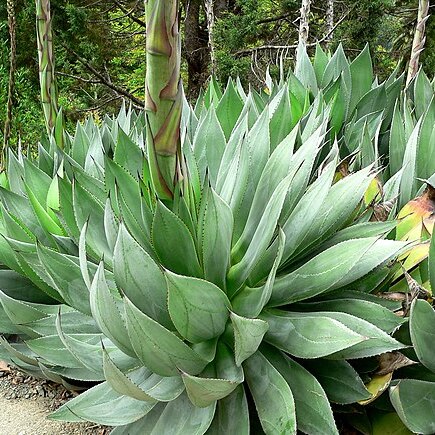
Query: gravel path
[(25, 403), (28, 417)]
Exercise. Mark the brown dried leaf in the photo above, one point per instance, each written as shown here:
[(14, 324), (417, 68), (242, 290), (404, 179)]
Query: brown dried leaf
[(388, 362)]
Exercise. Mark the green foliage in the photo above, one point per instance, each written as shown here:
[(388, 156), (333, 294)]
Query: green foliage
[(248, 302), (91, 34)]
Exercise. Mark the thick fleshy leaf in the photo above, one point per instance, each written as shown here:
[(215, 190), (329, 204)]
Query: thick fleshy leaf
[(102, 405), (375, 341), (73, 322), (414, 401), (80, 145), (229, 108), (408, 182), (225, 377), (426, 152), (111, 224), (127, 153), (49, 223), (397, 141), (87, 353), (21, 312), (320, 61), (159, 349), (232, 152), (215, 230), (304, 69), (388, 423), (313, 411), (339, 379), (280, 117), (232, 415), (308, 336), (261, 237), (139, 277), (250, 302), (376, 386), (106, 307), (232, 187), (87, 209), (375, 314), (174, 243), (358, 231), (361, 71), (52, 350), (334, 268), (141, 383), (90, 183), (19, 207), (67, 277), (421, 328), (21, 353), (276, 169), (248, 335), (272, 396), (198, 308), (301, 218), (423, 93), (337, 209), (178, 417), (258, 149), (66, 208), (337, 66), (350, 295), (209, 145), (119, 182)]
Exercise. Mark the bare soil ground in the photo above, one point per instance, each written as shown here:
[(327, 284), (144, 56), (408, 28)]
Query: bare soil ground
[(25, 403)]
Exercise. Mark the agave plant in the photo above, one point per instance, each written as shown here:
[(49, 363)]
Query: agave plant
[(30, 213), (404, 186), (212, 297), (213, 278)]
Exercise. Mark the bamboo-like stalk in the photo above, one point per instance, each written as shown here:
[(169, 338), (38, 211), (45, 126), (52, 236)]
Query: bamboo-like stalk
[(419, 39), (46, 63), (10, 5), (163, 102)]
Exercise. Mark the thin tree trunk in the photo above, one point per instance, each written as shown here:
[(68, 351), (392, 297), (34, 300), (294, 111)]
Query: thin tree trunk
[(329, 22), (11, 87), (304, 22), (209, 9), (195, 48), (419, 39)]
